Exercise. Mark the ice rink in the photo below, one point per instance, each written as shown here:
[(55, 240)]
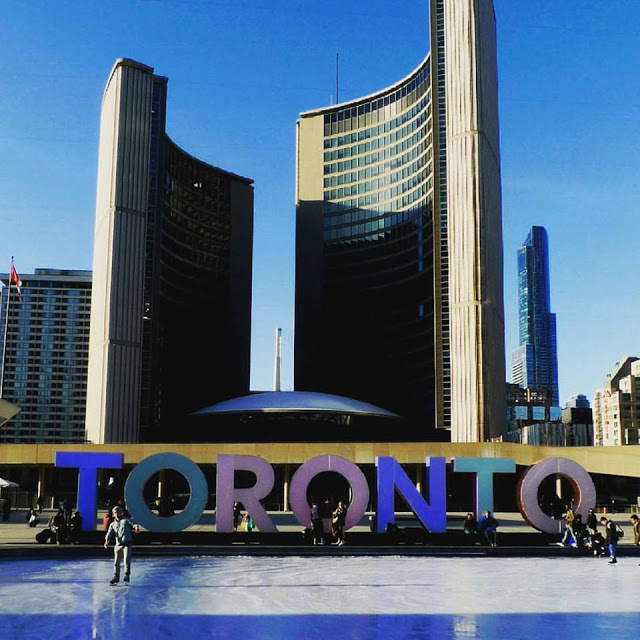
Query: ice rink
[(322, 597)]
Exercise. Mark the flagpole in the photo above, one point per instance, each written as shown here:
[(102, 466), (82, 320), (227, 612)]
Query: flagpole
[(6, 327)]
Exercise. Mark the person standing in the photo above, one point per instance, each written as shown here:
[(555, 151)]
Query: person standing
[(611, 538), (75, 528), (635, 527), (338, 520), (316, 524), (121, 532), (237, 515), (6, 509), (569, 518)]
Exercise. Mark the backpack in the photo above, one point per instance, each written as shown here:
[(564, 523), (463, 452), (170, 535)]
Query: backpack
[(619, 531)]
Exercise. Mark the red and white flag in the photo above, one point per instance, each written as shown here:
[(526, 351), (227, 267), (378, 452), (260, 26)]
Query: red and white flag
[(15, 281)]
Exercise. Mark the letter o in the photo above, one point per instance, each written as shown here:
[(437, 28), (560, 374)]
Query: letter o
[(134, 490), (530, 481), (303, 476)]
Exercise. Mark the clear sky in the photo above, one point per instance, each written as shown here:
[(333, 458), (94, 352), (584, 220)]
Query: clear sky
[(241, 71)]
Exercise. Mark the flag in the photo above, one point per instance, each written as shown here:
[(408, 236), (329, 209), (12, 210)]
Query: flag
[(15, 281)]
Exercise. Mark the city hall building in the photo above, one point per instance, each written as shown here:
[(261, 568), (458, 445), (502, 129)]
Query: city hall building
[(171, 302), (399, 285)]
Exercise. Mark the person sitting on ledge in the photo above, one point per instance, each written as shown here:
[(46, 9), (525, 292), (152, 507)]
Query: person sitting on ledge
[(489, 526), (470, 527)]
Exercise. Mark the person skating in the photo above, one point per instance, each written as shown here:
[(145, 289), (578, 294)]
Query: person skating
[(121, 532)]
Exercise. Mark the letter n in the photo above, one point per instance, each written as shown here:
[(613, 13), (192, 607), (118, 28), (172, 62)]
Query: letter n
[(390, 476)]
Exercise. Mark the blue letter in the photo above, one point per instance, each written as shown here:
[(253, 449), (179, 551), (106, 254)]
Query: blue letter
[(484, 468), (134, 492), (88, 465), (390, 476)]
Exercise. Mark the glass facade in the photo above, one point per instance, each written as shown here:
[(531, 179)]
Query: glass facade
[(399, 292), (45, 366), (535, 362), (187, 286), (377, 231)]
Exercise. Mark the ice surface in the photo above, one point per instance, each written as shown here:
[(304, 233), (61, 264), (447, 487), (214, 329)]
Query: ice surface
[(310, 597)]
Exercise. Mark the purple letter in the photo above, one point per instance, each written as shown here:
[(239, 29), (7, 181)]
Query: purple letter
[(583, 489), (227, 493), (484, 468), (338, 464), (391, 475), (88, 465)]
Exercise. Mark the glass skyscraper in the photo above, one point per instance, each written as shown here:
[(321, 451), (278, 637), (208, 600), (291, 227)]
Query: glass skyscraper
[(45, 366), (171, 305), (535, 361), (399, 296)]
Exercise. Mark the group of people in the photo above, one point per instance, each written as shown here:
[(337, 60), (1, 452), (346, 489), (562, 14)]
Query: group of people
[(65, 528), (581, 534), (327, 524), (484, 531)]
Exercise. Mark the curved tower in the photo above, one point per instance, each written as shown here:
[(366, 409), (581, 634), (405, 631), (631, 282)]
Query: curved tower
[(399, 239), (171, 303)]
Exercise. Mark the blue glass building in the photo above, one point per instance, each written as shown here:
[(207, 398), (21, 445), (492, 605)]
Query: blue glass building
[(535, 361)]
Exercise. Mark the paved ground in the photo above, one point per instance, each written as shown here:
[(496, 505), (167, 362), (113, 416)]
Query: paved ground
[(17, 532)]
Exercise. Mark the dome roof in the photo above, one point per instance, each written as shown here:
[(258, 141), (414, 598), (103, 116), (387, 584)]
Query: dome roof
[(295, 402)]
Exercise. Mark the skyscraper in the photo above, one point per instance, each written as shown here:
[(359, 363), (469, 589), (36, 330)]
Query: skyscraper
[(535, 361), (171, 306), (399, 239), (45, 364)]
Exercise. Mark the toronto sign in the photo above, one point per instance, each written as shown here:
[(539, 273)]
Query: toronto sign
[(430, 510)]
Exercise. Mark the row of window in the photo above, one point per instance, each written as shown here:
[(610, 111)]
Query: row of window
[(374, 227), (422, 136), (376, 170), (423, 182), (379, 109), (362, 146)]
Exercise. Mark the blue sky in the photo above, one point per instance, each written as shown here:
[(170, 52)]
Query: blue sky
[(239, 74)]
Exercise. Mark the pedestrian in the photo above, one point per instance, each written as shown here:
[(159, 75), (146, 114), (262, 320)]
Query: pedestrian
[(569, 518), (611, 538), (247, 522), (316, 524), (75, 527), (40, 503), (58, 526), (68, 511), (237, 515), (489, 526), (338, 518), (107, 519), (32, 518), (635, 526), (121, 532), (6, 509)]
